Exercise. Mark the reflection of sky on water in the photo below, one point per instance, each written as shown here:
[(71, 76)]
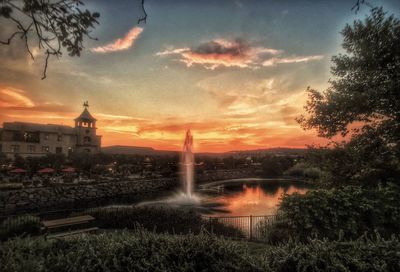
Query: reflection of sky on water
[(254, 199)]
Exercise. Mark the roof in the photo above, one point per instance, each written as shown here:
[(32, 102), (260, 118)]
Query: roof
[(50, 128), (85, 116)]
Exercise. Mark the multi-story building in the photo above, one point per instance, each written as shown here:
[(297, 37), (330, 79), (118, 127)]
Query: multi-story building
[(30, 139)]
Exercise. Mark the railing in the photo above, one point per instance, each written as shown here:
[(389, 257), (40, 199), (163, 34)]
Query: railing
[(249, 227), (252, 227)]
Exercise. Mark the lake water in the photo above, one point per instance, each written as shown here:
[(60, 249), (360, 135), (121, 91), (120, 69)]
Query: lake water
[(250, 196)]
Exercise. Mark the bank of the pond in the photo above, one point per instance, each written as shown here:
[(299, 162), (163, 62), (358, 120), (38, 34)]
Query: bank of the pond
[(62, 196)]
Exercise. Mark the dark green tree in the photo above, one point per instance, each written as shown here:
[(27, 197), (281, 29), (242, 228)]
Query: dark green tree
[(363, 99)]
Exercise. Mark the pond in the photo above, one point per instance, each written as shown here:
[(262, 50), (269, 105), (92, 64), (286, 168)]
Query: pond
[(254, 196)]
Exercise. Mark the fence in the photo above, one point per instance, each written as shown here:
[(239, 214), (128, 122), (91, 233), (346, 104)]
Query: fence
[(252, 227)]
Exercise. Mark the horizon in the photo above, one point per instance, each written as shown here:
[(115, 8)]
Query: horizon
[(237, 83)]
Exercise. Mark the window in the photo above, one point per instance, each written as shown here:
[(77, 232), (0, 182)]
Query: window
[(59, 138), (45, 149), (87, 139), (31, 137), (14, 148), (31, 148), (58, 150)]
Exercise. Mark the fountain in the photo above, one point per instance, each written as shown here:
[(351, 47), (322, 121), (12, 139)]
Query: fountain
[(187, 164), (186, 198)]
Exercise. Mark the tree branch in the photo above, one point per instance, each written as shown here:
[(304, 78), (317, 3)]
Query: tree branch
[(144, 18)]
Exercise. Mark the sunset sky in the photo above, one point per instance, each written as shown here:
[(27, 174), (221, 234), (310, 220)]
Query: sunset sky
[(234, 72)]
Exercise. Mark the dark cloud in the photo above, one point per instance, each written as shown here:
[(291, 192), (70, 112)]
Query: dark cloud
[(236, 48)]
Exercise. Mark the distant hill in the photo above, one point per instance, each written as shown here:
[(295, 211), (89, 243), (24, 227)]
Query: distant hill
[(149, 151), (135, 150)]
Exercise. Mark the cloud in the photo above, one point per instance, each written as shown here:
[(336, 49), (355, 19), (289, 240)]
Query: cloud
[(232, 53), (123, 43), (295, 59), (221, 52), (12, 97)]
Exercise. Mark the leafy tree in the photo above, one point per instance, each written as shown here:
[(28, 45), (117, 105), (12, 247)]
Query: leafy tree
[(274, 166), (366, 84), (363, 99)]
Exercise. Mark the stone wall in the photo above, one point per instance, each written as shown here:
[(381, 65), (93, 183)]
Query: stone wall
[(208, 176), (70, 195), (35, 199)]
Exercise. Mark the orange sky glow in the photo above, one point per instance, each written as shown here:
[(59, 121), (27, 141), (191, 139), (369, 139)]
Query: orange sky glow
[(237, 81)]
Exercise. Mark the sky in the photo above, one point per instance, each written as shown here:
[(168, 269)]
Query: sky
[(235, 72)]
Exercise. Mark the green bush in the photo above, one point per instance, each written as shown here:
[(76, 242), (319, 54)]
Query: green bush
[(126, 251), (220, 229), (305, 171), (19, 225), (160, 219), (147, 251), (321, 255), (348, 212)]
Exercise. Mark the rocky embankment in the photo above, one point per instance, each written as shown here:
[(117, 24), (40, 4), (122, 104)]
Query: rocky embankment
[(72, 195)]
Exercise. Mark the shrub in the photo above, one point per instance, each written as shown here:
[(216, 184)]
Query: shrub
[(160, 219), (361, 255), (145, 251), (220, 229), (305, 171), (20, 225), (126, 251), (312, 173), (348, 212)]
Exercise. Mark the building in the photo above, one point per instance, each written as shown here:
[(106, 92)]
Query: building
[(30, 139)]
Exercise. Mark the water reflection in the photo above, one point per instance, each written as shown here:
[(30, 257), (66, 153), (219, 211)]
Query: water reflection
[(260, 198)]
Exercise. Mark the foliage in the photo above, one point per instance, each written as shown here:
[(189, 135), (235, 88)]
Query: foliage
[(19, 225), (145, 251), (363, 98), (305, 171), (126, 251), (219, 229), (347, 212), (159, 219), (365, 87), (151, 218), (366, 160), (54, 24), (274, 166), (364, 254)]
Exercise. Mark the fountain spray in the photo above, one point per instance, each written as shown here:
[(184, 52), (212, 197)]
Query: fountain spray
[(187, 163)]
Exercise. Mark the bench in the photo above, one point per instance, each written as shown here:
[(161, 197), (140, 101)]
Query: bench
[(58, 224), (70, 233)]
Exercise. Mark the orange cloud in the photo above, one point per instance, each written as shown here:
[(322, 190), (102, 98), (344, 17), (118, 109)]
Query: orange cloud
[(12, 97), (120, 44), (220, 52), (236, 53)]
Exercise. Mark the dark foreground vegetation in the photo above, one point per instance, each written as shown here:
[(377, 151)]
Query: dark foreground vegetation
[(337, 213), (145, 251)]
